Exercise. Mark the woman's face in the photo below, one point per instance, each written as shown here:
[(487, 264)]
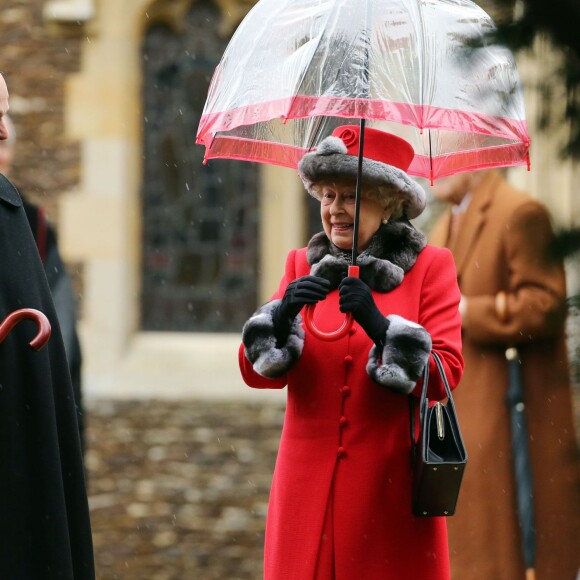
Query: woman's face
[(337, 208)]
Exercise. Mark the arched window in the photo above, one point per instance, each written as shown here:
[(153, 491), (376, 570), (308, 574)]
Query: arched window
[(199, 221)]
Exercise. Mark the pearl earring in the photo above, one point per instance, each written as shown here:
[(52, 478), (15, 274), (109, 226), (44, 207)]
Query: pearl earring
[(385, 220)]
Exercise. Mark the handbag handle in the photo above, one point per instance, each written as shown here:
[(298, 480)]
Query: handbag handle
[(423, 402)]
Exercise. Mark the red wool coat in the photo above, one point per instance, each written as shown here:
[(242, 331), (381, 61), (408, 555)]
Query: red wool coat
[(340, 503)]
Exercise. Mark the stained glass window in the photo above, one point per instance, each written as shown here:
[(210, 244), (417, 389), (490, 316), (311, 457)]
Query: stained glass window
[(199, 221)]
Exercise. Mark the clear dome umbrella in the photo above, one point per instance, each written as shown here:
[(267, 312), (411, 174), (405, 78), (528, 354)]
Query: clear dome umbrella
[(296, 69)]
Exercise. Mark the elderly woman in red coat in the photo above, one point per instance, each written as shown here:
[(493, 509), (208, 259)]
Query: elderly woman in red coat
[(340, 503)]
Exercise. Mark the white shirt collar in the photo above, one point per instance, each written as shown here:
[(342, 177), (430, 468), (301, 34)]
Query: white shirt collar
[(463, 205)]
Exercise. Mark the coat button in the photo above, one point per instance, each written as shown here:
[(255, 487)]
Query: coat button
[(343, 421), (348, 360), (345, 391), (341, 452)]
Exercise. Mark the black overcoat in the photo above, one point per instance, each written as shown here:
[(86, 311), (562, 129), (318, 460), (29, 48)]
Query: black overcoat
[(44, 518)]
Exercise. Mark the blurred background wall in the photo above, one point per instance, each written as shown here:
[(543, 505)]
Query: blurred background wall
[(166, 252)]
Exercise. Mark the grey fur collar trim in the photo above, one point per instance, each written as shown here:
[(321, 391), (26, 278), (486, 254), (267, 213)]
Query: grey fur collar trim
[(392, 252)]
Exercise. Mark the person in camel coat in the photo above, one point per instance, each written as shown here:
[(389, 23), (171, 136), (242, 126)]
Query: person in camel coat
[(512, 295), (340, 502)]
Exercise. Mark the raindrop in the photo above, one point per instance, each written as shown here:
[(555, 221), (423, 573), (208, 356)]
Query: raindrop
[(187, 186)]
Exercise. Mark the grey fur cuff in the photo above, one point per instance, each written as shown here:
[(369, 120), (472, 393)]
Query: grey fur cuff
[(259, 341), (405, 354)]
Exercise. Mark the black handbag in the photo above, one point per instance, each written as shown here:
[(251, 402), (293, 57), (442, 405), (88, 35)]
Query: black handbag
[(439, 455)]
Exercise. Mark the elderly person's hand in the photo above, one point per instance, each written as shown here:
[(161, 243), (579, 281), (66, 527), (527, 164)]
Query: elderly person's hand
[(356, 298), (302, 291)]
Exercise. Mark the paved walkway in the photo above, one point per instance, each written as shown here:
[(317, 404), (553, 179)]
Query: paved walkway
[(178, 490)]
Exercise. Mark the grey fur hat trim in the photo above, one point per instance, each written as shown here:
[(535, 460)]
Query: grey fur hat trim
[(268, 359), (405, 354), (331, 161)]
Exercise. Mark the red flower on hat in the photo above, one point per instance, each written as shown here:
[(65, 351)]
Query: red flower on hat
[(349, 137)]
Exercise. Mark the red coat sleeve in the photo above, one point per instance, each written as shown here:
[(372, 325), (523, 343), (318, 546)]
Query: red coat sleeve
[(439, 315)]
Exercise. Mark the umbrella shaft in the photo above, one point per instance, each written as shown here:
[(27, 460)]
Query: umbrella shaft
[(358, 192)]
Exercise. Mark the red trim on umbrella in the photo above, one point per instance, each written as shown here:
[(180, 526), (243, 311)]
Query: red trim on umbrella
[(422, 166), (509, 155), (260, 151), (420, 116)]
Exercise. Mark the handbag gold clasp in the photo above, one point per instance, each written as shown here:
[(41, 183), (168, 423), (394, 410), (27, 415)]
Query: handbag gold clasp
[(439, 419)]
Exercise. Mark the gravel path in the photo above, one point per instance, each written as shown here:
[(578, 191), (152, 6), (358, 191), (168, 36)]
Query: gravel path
[(178, 490)]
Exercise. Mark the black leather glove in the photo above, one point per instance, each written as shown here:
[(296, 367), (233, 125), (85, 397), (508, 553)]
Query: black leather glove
[(356, 298), (305, 290)]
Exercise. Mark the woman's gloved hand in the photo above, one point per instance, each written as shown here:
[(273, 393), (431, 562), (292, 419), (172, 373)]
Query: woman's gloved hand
[(302, 291), (356, 298)]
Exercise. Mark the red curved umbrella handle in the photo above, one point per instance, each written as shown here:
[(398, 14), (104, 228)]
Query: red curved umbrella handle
[(344, 327), (41, 320)]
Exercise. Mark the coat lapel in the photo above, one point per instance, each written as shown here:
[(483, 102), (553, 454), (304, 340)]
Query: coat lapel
[(439, 236), (9, 193), (473, 221)]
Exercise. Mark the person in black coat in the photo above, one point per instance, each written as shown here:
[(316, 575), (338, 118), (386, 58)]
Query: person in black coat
[(59, 280), (45, 528)]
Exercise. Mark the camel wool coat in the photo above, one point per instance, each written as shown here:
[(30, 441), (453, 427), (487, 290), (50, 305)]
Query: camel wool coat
[(340, 502), (500, 246)]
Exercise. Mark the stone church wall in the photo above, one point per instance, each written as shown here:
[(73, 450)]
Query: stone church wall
[(35, 62)]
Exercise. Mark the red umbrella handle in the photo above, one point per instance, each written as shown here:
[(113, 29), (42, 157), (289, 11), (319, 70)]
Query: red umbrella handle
[(335, 334), (41, 320)]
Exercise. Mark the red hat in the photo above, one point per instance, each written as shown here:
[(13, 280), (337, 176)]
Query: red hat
[(386, 160), (379, 145)]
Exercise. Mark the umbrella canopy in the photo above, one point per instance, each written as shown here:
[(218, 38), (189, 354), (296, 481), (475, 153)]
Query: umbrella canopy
[(296, 69)]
